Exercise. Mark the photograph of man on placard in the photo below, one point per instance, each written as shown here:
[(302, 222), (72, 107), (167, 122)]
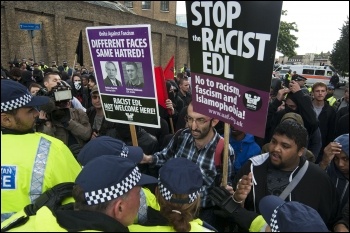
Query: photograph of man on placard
[(111, 73), (133, 74)]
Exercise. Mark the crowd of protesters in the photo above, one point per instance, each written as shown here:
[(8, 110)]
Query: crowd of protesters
[(306, 141)]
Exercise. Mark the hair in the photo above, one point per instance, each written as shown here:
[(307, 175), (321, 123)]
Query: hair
[(109, 62), (131, 64), (15, 72), (64, 76), (85, 76), (179, 75), (34, 85), (319, 84), (92, 78), (276, 85), (49, 72), (294, 131), (182, 80), (38, 74), (189, 211), (81, 203), (76, 74)]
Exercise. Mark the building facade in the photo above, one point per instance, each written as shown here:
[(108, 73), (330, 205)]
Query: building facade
[(160, 10), (61, 23), (307, 59)]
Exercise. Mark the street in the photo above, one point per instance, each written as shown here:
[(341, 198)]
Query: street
[(339, 92)]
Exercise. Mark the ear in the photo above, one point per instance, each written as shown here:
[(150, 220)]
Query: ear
[(46, 83), (302, 151), (118, 209), (214, 122), (6, 120)]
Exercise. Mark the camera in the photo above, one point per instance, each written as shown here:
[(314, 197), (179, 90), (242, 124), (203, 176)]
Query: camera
[(61, 92), (56, 108)]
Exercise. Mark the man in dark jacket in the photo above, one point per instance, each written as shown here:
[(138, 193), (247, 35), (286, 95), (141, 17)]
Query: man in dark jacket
[(334, 80), (272, 172), (336, 162), (297, 102), (325, 115)]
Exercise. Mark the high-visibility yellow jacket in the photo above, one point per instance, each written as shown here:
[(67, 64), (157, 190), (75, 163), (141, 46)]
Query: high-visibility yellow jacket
[(147, 198), (331, 100), (30, 164), (196, 226), (46, 221)]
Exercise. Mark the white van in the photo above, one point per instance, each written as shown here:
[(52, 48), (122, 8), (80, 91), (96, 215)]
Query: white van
[(312, 73)]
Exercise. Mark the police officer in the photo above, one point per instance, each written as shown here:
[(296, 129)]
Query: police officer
[(30, 162), (301, 81), (105, 145), (287, 78), (179, 183), (42, 66), (330, 95), (107, 197)]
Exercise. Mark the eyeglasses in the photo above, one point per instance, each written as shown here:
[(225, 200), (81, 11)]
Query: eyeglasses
[(199, 121)]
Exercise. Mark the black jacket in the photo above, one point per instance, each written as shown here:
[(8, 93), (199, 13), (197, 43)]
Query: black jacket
[(305, 109), (327, 126), (87, 220), (315, 189)]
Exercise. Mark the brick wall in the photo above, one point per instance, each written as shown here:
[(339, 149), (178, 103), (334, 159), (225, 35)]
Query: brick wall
[(155, 12), (61, 24)]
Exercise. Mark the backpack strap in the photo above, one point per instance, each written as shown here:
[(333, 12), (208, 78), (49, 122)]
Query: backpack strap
[(294, 181), (52, 198), (218, 152)]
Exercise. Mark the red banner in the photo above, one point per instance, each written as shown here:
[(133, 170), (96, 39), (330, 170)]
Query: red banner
[(160, 86), (169, 69)]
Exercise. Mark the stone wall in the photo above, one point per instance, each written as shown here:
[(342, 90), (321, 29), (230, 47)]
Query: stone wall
[(61, 24)]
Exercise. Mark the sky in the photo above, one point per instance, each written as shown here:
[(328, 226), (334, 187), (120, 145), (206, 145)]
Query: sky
[(318, 22)]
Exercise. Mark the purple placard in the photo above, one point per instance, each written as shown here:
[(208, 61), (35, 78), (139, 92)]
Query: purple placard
[(230, 102), (123, 61)]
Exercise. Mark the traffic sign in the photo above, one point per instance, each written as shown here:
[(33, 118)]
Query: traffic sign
[(30, 26)]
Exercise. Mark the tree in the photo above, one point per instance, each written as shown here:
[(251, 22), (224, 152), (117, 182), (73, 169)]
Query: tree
[(286, 42), (340, 53)]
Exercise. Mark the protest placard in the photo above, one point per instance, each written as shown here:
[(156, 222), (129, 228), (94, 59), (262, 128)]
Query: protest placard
[(232, 46), (123, 61)]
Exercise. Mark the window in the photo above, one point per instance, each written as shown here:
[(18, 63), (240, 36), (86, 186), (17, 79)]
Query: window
[(128, 4), (319, 72), (146, 5), (308, 71), (164, 5)]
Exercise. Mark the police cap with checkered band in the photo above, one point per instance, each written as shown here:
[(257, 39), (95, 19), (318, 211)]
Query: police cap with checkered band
[(108, 177), (15, 95)]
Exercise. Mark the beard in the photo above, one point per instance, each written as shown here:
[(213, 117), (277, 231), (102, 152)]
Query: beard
[(24, 127), (200, 134)]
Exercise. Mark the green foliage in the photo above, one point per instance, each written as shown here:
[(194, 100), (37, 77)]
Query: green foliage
[(286, 42), (340, 53)]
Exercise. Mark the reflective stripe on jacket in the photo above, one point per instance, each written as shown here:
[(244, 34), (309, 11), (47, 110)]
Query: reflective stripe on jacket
[(30, 164)]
